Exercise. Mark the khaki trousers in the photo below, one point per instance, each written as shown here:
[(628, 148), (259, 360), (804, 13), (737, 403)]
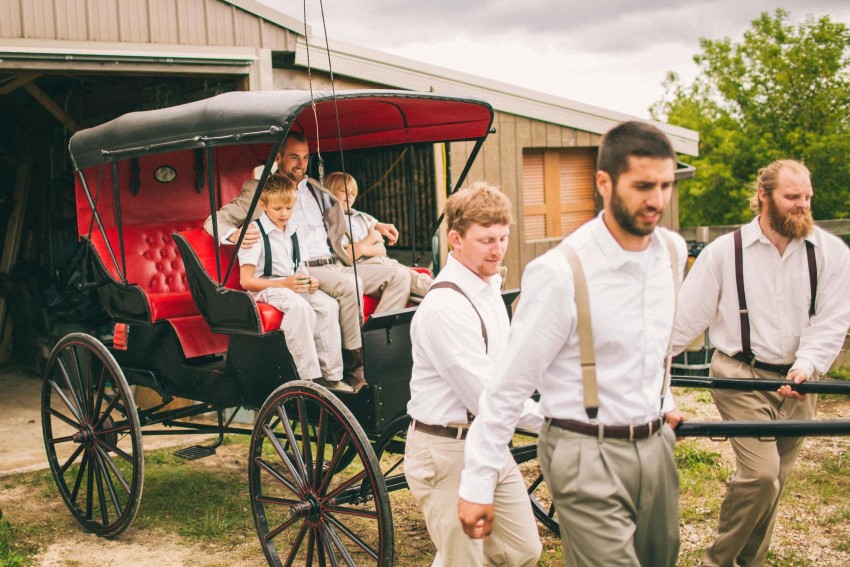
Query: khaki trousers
[(419, 282), (748, 511), (432, 467), (617, 500)]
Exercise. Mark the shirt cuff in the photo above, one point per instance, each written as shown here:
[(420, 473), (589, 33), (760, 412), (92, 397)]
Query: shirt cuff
[(805, 366), (226, 235), (477, 490)]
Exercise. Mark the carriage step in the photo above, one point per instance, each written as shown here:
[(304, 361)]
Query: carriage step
[(194, 452)]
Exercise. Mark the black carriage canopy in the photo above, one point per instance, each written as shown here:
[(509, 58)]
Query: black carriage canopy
[(347, 120)]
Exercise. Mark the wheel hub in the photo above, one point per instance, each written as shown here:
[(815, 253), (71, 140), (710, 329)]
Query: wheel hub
[(84, 436), (308, 508)]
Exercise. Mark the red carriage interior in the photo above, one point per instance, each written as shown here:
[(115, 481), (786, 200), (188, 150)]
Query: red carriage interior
[(155, 212)]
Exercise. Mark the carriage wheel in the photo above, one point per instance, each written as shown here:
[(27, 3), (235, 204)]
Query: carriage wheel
[(308, 508), (92, 435), (538, 492), (389, 449)]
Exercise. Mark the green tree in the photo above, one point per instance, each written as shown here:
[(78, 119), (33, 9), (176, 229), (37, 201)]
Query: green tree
[(782, 92)]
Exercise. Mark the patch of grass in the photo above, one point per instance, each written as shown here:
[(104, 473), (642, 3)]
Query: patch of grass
[(203, 504), (841, 373), (702, 474), (14, 553)]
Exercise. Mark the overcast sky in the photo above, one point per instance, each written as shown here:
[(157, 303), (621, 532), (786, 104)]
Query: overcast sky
[(609, 53)]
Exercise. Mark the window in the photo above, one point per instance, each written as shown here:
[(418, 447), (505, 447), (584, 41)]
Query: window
[(558, 188)]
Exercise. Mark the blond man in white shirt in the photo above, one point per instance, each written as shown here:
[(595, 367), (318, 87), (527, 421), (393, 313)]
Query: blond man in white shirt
[(458, 333), (786, 333), (610, 471)]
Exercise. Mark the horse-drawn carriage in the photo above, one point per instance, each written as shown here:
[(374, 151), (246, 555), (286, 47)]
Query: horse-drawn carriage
[(184, 327)]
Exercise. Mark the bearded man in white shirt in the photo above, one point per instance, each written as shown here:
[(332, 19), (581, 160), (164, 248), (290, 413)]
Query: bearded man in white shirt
[(607, 458), (787, 320), (458, 333)]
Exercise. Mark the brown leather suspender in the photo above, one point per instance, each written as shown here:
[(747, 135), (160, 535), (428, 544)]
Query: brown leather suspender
[(746, 347), (454, 286)]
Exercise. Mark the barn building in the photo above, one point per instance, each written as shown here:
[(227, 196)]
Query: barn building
[(66, 65)]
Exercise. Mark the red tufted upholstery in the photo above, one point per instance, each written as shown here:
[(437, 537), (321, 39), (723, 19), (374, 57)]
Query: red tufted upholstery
[(153, 264)]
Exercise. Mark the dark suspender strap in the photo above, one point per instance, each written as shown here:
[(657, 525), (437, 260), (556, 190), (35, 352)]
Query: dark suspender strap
[(454, 286), (813, 274), (267, 248), (296, 252), (742, 298), (316, 197)]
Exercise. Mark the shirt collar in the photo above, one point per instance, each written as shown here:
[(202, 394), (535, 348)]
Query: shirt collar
[(611, 249), (270, 227), (466, 279)]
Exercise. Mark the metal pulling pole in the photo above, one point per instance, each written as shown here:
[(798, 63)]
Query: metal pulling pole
[(807, 387)]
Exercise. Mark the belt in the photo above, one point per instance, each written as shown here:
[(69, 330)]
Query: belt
[(751, 361), (630, 432), (319, 262), (441, 431)]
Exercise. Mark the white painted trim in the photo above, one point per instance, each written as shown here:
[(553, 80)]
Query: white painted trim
[(270, 14)]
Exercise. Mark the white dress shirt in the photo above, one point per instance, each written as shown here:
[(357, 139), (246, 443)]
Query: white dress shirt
[(279, 241), (450, 365), (308, 220), (631, 311), (778, 298), (361, 224)]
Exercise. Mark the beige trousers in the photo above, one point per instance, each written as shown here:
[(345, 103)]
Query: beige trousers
[(748, 511), (617, 500), (432, 467), (419, 282)]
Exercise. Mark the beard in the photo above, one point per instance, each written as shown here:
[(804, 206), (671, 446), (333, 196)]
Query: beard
[(628, 220), (796, 223)]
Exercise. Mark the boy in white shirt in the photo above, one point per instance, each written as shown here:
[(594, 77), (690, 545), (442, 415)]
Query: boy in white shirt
[(368, 247), (269, 271)]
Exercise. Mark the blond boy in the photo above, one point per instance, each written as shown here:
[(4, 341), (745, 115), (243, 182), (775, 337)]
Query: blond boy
[(310, 323), (368, 246)]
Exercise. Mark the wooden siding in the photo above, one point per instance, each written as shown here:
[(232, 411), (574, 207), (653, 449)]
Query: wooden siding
[(174, 22), (500, 163)]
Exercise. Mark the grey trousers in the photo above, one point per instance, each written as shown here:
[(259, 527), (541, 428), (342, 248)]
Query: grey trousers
[(748, 511), (617, 500)]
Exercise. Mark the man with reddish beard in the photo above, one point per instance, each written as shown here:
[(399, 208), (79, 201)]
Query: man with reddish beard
[(774, 296), (591, 335)]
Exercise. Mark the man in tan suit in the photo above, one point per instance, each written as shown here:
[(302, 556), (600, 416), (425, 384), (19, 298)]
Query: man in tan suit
[(317, 214)]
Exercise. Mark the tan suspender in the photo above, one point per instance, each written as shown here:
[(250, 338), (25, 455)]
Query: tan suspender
[(585, 330)]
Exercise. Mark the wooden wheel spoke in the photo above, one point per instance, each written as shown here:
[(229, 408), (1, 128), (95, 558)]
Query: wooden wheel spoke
[(293, 443), (327, 546), (71, 459), (533, 486), (80, 473), (311, 543), (337, 543), (101, 496), (321, 429), (119, 476), (353, 537), (306, 443), (101, 388), (296, 545), (347, 484), (276, 500), (283, 527), (340, 449), (71, 407), (108, 410), (360, 512), (82, 398), (61, 416), (121, 453), (89, 487), (264, 465), (107, 479), (287, 462)]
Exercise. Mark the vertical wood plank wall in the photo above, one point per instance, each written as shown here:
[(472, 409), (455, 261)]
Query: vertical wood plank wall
[(500, 162), (183, 22)]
